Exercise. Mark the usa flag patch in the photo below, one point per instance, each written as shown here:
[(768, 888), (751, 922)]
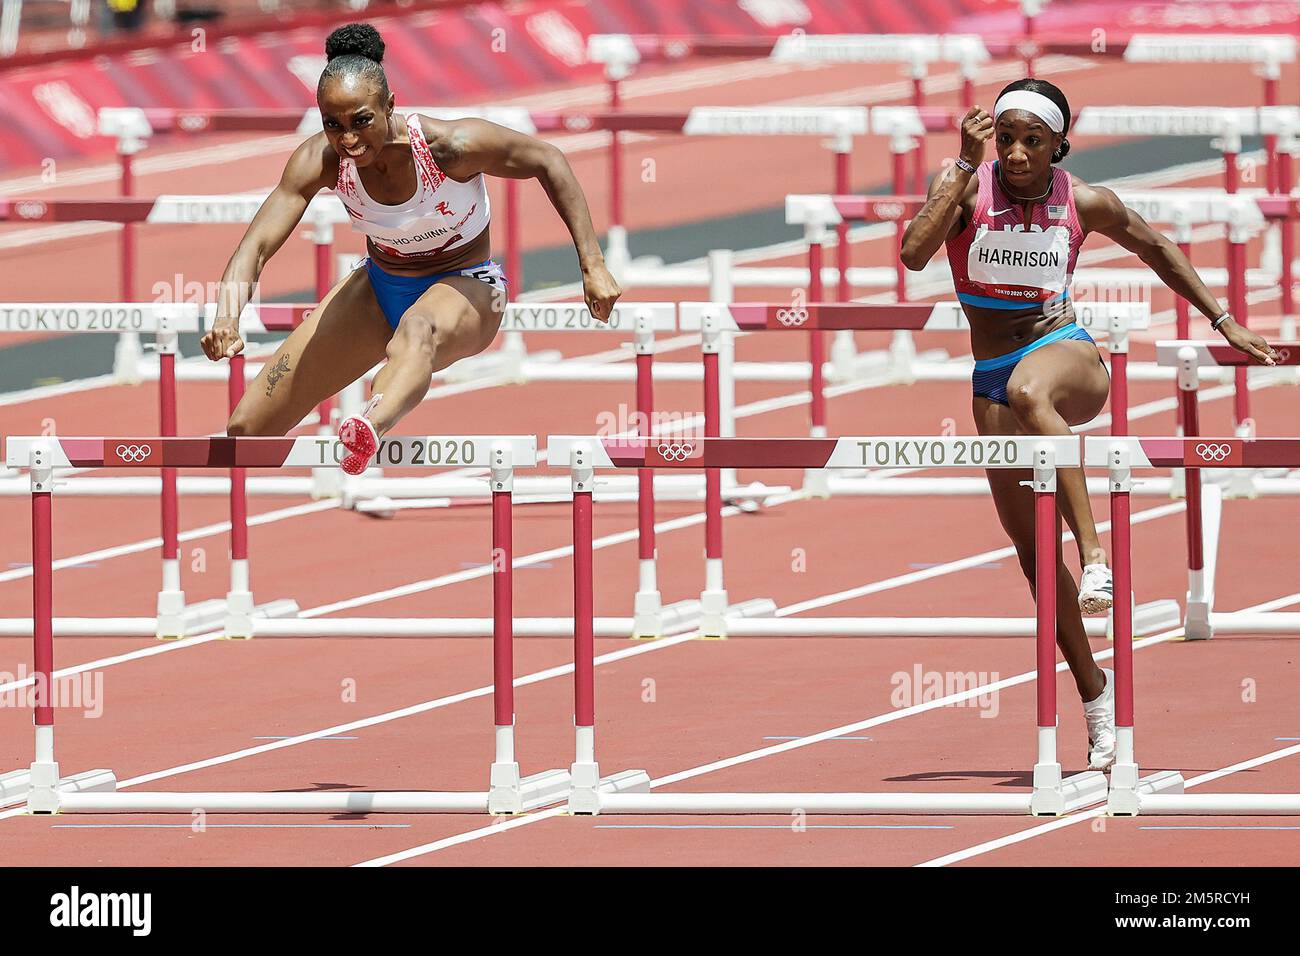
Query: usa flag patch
[(1055, 212)]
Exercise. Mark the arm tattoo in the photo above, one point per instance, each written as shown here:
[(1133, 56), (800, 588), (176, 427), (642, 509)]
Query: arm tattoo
[(275, 373)]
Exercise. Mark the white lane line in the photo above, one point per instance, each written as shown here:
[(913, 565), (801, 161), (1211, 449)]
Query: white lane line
[(206, 531), (1083, 817), (1149, 514), (505, 826)]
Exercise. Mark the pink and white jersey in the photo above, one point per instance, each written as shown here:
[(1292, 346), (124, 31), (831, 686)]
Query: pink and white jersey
[(442, 215), (999, 264)]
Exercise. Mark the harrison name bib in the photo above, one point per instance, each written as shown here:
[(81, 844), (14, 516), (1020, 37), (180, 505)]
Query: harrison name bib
[(1036, 259)]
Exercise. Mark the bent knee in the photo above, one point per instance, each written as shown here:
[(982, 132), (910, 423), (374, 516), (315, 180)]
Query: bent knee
[(414, 335), (1029, 400)]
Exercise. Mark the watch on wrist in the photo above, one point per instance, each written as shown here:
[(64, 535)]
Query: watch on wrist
[(963, 165), (1220, 320)]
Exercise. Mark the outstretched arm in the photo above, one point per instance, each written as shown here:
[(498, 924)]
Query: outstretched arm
[(1100, 210), (472, 146), (303, 177)]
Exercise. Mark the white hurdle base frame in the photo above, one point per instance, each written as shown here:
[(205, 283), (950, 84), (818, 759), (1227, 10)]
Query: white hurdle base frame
[(16, 786), (1071, 793), (535, 791)]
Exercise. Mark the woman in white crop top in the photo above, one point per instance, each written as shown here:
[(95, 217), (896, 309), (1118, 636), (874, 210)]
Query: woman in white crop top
[(430, 293)]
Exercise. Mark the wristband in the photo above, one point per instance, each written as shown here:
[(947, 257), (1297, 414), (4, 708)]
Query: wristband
[(1214, 326), (963, 165)]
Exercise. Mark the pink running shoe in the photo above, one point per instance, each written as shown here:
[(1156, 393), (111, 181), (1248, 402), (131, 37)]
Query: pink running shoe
[(360, 439)]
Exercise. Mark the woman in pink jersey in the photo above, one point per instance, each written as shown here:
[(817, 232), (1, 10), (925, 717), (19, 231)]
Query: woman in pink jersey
[(1013, 229), (429, 293)]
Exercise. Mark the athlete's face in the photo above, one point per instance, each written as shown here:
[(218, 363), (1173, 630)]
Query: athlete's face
[(1025, 147), (355, 117)]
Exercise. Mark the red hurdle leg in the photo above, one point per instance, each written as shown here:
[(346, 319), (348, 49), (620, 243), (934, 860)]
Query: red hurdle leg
[(1197, 623), (1123, 797), (1046, 530), (324, 240), (713, 598), (1285, 173), (43, 795), (647, 609), (503, 662), (239, 599), (1239, 308), (816, 344), (1047, 798), (584, 797), (1182, 320), (171, 597), (1119, 393)]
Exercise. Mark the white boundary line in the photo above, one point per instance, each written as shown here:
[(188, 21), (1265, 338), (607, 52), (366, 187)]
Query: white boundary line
[(1042, 830)]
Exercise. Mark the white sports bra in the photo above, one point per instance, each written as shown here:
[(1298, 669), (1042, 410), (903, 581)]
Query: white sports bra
[(442, 215)]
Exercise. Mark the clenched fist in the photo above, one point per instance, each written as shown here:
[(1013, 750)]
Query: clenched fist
[(222, 341), (976, 130)]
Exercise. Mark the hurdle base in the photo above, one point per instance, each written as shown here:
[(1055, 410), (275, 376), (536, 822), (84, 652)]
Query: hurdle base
[(713, 613), (788, 804), (647, 615), (354, 801), (590, 790), (174, 619), (326, 483), (816, 483), (1149, 618), (16, 786), (1127, 788), (508, 793), (1197, 624), (239, 615), (1054, 796)]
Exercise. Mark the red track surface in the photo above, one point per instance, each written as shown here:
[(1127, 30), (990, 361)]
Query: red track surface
[(712, 700)]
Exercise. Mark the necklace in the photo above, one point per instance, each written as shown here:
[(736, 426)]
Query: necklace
[(1011, 195)]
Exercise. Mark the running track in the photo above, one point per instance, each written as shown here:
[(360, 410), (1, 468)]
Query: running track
[(722, 714)]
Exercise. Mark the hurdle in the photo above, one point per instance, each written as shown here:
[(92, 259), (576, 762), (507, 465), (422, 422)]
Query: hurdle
[(1127, 797), (1052, 793), (620, 53), (1204, 508), (718, 319), (323, 213), (507, 792), (165, 322)]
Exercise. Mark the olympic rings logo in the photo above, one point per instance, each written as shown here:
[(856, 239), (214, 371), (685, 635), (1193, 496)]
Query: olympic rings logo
[(888, 210), (792, 317), (675, 451), (133, 453), (192, 122), (1215, 452), (1283, 356), (30, 209), (578, 122)]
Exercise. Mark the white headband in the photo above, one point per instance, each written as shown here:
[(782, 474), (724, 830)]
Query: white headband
[(1031, 102)]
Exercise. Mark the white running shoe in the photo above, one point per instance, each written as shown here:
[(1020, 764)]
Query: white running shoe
[(1100, 715), (1096, 589)]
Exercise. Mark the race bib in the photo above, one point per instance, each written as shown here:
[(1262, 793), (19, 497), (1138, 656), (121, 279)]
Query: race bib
[(1039, 260)]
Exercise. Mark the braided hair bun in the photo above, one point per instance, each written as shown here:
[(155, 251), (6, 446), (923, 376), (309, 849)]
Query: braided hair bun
[(355, 39)]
